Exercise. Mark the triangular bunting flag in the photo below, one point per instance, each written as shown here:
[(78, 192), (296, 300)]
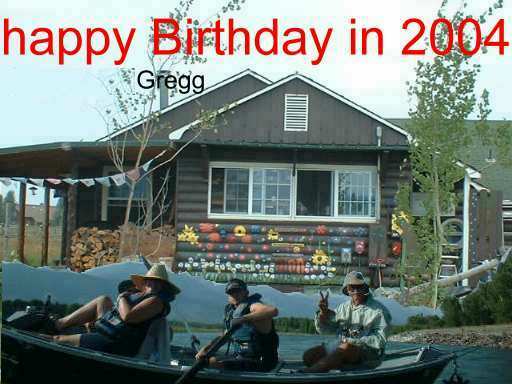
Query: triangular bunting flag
[(105, 181), (87, 182), (5, 181), (145, 167), (70, 180), (118, 179), (54, 181), (38, 182), (134, 174), (20, 179)]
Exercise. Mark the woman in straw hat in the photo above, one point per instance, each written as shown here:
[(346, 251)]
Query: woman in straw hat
[(121, 328)]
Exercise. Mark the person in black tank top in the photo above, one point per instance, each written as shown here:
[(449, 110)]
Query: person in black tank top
[(121, 328), (253, 346)]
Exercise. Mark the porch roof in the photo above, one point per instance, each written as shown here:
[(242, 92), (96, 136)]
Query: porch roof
[(59, 159)]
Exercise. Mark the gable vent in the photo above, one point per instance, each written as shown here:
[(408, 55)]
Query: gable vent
[(295, 112)]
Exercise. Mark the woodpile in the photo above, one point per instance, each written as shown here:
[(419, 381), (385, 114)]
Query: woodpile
[(92, 247)]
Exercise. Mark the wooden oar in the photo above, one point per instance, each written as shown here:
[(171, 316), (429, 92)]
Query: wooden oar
[(145, 261), (201, 363)]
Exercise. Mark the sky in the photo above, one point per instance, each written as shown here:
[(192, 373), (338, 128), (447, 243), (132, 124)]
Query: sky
[(43, 102)]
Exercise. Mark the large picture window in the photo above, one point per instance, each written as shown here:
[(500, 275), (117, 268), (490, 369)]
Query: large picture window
[(314, 192)]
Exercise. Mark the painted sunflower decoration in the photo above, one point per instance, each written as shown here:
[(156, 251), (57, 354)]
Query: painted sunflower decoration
[(188, 234), (239, 231), (320, 258)]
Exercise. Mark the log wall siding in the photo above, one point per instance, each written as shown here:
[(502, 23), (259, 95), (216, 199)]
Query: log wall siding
[(291, 252)]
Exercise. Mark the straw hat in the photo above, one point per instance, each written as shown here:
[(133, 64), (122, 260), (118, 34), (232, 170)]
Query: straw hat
[(353, 278), (156, 272)]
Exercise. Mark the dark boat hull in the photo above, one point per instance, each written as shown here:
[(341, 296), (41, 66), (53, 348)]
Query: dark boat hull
[(26, 358)]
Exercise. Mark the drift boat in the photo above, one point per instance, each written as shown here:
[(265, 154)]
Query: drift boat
[(27, 357)]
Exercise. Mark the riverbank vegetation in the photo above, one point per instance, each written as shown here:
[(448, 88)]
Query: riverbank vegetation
[(490, 303)]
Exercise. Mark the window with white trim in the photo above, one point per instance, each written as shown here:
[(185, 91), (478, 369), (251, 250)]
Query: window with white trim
[(356, 193), (315, 192), (296, 112), (115, 199), (269, 191)]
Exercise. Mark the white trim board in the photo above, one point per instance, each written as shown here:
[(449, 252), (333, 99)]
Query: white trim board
[(316, 85), (192, 98)]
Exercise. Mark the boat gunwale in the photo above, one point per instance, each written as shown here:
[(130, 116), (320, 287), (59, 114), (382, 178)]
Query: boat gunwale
[(215, 374)]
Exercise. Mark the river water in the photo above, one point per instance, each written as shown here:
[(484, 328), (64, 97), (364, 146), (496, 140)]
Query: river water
[(483, 366)]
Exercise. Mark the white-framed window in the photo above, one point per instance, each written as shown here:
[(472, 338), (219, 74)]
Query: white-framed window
[(115, 198), (315, 192), (356, 193), (296, 112), (249, 190)]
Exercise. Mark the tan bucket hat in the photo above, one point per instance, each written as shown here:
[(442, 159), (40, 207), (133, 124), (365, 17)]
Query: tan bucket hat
[(353, 278), (156, 272)]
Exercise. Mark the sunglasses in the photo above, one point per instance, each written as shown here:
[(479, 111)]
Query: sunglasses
[(357, 288)]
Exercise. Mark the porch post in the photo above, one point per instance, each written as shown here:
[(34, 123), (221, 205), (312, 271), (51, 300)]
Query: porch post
[(64, 228), (21, 222), (71, 214), (46, 227), (465, 232)]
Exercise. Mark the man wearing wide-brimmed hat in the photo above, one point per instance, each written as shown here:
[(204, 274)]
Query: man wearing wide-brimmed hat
[(360, 324), (121, 328)]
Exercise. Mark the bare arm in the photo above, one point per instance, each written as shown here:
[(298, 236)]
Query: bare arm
[(143, 311), (260, 312)]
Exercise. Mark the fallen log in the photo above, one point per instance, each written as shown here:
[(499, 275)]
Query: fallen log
[(401, 296), (486, 266)]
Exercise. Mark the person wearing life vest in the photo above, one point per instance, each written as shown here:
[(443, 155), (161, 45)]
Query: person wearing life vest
[(121, 328), (253, 346), (359, 323)]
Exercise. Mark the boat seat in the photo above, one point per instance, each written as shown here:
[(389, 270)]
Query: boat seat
[(278, 367), (155, 346)]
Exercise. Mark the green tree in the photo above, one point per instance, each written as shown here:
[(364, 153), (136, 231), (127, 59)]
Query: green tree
[(443, 96), (452, 311), (10, 205)]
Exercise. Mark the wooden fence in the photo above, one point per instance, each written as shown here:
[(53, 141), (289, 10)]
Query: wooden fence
[(34, 237)]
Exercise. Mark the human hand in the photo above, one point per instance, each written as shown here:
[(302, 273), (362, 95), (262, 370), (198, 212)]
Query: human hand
[(201, 354), (323, 304)]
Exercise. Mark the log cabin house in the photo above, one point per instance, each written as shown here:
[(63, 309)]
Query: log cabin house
[(293, 186)]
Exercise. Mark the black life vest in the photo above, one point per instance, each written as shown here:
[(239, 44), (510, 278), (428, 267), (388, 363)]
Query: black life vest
[(247, 341), (112, 326)]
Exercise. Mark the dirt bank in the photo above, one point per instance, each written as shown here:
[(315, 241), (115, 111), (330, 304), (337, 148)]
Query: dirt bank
[(494, 336)]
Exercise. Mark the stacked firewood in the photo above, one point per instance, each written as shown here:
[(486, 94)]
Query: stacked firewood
[(92, 247)]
